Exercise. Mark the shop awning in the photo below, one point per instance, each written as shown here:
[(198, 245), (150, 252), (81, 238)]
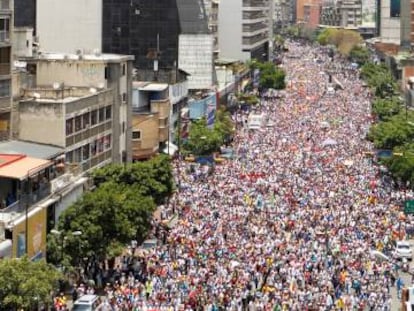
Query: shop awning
[(23, 168)]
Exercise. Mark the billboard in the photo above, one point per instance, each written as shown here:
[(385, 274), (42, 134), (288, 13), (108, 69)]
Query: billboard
[(395, 8), (36, 237)]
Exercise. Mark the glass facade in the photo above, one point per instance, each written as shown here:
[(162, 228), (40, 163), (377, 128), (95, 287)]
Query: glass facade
[(132, 26)]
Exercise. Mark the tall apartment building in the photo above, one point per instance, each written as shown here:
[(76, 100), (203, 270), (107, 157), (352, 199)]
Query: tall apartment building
[(81, 103), (245, 29), (343, 13), (212, 7), (6, 30), (282, 13)]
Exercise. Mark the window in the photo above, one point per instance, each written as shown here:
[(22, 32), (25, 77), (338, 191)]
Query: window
[(124, 97), (78, 123), (94, 117), (107, 73), (123, 127), (108, 112), (123, 69), (107, 142), (93, 148), (101, 115), (69, 126), (4, 29), (100, 144), (85, 152), (69, 157), (86, 121), (4, 88), (136, 135), (77, 155)]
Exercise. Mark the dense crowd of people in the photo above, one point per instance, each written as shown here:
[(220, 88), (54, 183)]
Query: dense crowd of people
[(288, 224)]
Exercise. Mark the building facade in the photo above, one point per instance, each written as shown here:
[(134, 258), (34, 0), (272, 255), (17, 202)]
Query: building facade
[(6, 31), (151, 118), (88, 84), (248, 24), (341, 13)]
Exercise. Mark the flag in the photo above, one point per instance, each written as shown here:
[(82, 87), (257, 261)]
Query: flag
[(210, 115)]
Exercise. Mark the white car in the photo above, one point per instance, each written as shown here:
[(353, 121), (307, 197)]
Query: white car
[(403, 250)]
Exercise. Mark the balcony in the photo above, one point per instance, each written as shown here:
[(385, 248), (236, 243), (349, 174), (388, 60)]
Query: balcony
[(27, 199)]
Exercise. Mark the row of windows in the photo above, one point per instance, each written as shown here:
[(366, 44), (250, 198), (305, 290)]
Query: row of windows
[(88, 119), (89, 150)]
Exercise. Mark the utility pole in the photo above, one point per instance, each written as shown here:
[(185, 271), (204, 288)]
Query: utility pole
[(157, 55)]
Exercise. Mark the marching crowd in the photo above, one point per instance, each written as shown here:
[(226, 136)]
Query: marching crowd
[(290, 223)]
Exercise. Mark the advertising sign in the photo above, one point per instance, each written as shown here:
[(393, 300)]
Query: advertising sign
[(36, 241)]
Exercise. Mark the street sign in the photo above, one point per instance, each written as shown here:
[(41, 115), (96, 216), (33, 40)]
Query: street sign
[(409, 207)]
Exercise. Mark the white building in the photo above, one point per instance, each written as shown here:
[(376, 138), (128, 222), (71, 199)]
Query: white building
[(84, 31), (245, 29), (389, 31)]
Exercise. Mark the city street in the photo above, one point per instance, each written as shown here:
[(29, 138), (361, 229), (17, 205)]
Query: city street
[(291, 222)]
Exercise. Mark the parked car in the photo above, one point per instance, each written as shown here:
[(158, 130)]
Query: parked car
[(403, 250)]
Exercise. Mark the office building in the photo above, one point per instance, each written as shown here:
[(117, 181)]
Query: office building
[(81, 103), (245, 29)]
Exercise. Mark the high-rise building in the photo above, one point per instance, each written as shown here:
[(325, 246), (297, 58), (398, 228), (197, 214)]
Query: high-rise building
[(6, 28), (25, 13), (245, 29)]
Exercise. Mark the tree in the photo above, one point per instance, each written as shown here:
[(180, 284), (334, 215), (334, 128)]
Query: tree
[(343, 39), (401, 164), (26, 284), (109, 218), (360, 55), (270, 75), (384, 108), (392, 133), (203, 140), (153, 177)]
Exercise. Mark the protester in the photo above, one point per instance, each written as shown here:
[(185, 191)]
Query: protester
[(290, 222)]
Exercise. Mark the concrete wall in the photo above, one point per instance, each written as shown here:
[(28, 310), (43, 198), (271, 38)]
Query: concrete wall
[(64, 26), (390, 26), (147, 146), (71, 73), (42, 123), (230, 23), (195, 56), (23, 42)]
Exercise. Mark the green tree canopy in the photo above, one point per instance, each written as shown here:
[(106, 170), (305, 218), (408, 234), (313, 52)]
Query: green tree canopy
[(26, 284), (151, 178), (384, 108), (344, 39), (394, 132), (360, 55), (109, 218), (401, 165), (203, 140), (271, 76)]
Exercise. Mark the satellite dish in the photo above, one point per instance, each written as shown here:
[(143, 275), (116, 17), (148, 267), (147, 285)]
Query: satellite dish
[(56, 85), (92, 90), (36, 95)]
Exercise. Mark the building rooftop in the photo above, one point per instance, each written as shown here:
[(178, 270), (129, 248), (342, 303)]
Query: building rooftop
[(16, 147), (20, 166), (96, 57), (60, 94)]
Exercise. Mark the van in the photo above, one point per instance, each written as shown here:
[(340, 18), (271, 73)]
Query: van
[(256, 121), (86, 303)]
